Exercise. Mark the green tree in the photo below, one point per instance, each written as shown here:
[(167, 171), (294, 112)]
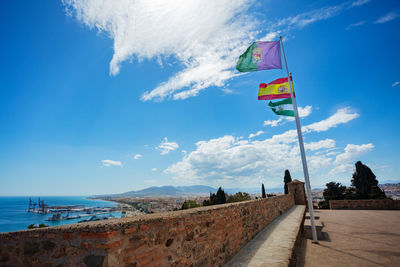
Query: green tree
[(206, 202), (376, 193), (33, 226), (263, 195), (211, 201), (333, 191), (350, 193), (215, 199), (364, 180), (287, 179), (324, 204), (189, 204), (239, 196), (221, 198)]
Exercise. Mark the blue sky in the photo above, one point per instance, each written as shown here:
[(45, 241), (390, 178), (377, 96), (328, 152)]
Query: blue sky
[(99, 97)]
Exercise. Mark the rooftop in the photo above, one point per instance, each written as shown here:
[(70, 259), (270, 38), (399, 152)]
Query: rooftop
[(355, 238)]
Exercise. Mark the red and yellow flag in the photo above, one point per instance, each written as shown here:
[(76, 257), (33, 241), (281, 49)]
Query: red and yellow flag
[(275, 89)]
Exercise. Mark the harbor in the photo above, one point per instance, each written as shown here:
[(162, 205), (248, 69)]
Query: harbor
[(94, 217), (17, 213), (72, 212)]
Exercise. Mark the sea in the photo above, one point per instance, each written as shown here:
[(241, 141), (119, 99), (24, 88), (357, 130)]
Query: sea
[(14, 215)]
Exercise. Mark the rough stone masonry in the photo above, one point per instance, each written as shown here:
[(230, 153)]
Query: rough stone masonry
[(205, 236)]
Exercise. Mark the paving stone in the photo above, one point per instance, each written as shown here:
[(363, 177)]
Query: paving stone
[(274, 244)]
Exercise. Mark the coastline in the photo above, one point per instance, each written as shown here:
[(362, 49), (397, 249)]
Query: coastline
[(101, 199), (15, 217)]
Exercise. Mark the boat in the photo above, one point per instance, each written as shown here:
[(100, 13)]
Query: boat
[(71, 217), (55, 218), (93, 218)]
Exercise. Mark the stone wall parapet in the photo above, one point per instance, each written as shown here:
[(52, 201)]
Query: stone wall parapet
[(205, 236), (365, 204)]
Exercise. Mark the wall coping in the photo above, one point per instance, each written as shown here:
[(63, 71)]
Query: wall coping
[(128, 222)]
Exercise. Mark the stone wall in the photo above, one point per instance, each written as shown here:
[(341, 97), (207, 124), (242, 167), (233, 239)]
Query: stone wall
[(206, 236), (365, 204)]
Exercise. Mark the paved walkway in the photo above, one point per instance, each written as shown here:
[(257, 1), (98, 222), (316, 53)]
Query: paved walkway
[(355, 238), (273, 245)]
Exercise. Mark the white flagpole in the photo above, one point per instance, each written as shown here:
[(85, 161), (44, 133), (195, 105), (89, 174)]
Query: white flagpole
[(302, 151)]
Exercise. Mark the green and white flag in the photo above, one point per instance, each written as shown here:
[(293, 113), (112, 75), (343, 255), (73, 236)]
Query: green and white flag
[(283, 107)]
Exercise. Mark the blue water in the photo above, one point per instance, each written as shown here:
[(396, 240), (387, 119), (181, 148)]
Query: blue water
[(14, 217)]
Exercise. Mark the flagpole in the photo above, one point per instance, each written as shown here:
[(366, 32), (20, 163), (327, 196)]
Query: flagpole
[(302, 151)]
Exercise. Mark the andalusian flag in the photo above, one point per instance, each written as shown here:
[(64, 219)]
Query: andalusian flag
[(283, 107), (275, 89), (261, 56)]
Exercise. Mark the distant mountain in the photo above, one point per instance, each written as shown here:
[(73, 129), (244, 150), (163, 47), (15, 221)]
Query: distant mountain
[(196, 189), (176, 191), (166, 191), (390, 182), (253, 190)]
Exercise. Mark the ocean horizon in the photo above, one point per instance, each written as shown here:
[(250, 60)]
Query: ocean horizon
[(15, 217)]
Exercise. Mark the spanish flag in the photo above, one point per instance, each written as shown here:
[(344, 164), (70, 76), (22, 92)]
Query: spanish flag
[(275, 89)]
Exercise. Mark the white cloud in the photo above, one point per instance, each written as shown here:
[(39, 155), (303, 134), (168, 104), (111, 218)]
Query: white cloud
[(344, 162), (108, 163), (395, 84), (165, 147), (256, 134), (137, 156), (154, 169), (230, 160), (388, 17), (359, 3), (343, 115), (205, 37), (358, 24), (270, 36), (332, 153), (228, 91), (327, 143), (304, 19), (273, 123), (304, 112), (351, 152), (343, 168)]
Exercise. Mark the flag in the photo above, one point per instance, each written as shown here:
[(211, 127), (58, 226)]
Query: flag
[(283, 107), (261, 56), (275, 89)]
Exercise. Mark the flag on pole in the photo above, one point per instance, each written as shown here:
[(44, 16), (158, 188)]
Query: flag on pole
[(275, 89), (261, 56), (283, 107)]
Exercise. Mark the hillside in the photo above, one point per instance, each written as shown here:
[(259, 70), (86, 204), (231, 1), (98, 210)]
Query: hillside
[(176, 191)]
